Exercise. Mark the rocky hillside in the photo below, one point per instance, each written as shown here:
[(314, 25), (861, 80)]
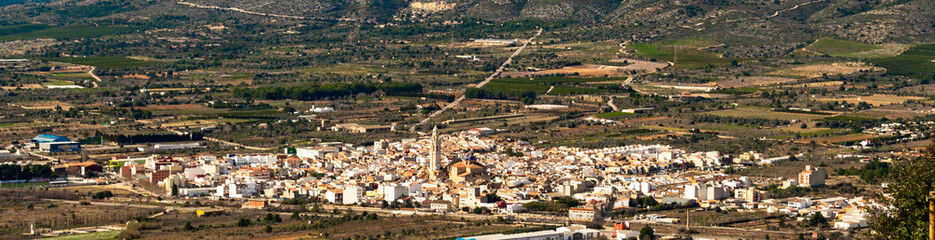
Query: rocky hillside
[(783, 24)]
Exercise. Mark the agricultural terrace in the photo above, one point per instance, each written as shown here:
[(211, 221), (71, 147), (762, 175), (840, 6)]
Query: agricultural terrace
[(764, 113), (875, 100), (822, 69), (32, 31), (108, 62), (917, 62), (517, 88)]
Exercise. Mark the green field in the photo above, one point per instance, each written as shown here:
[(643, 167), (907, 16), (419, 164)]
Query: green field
[(614, 114), (516, 86), (558, 80), (692, 42), (836, 47), (563, 85), (24, 185), (917, 62), (109, 62), (22, 28), (685, 53), (31, 31), (568, 90), (57, 83), (89, 236)]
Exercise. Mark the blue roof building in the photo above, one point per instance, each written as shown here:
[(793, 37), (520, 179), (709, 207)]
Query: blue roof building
[(47, 138)]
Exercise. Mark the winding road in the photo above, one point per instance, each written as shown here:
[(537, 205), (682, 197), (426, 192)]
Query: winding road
[(98, 79)]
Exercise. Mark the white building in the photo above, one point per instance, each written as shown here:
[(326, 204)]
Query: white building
[(352, 194), (392, 192), (314, 152), (253, 160)]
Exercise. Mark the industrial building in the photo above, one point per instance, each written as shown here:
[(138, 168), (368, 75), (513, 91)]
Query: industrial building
[(53, 143)]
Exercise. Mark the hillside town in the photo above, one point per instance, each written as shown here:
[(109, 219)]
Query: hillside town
[(468, 172)]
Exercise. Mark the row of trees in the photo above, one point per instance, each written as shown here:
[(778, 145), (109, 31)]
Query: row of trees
[(738, 120), (152, 137), (17, 172), (325, 91), (872, 172), (527, 97)]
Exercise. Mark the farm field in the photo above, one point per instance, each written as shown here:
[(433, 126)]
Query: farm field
[(597, 70), (839, 139), (563, 85), (87, 236), (917, 62), (45, 105), (752, 81), (818, 84), (836, 47), (875, 100), (763, 113), (202, 123), (63, 32), (821, 69), (108, 62), (614, 114), (684, 53)]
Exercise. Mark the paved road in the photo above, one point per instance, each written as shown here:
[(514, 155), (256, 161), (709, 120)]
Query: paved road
[(479, 85)]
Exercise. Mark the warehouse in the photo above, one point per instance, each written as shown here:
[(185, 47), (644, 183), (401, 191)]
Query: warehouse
[(53, 143)]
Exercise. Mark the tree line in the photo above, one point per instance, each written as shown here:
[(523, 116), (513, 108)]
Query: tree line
[(326, 91), (526, 96), (17, 172), (152, 137), (738, 120)]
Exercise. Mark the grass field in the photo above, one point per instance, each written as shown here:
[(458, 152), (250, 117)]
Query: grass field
[(22, 28), (614, 114), (918, 62), (31, 31), (57, 83), (24, 185), (109, 62), (89, 236), (684, 53), (836, 47)]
